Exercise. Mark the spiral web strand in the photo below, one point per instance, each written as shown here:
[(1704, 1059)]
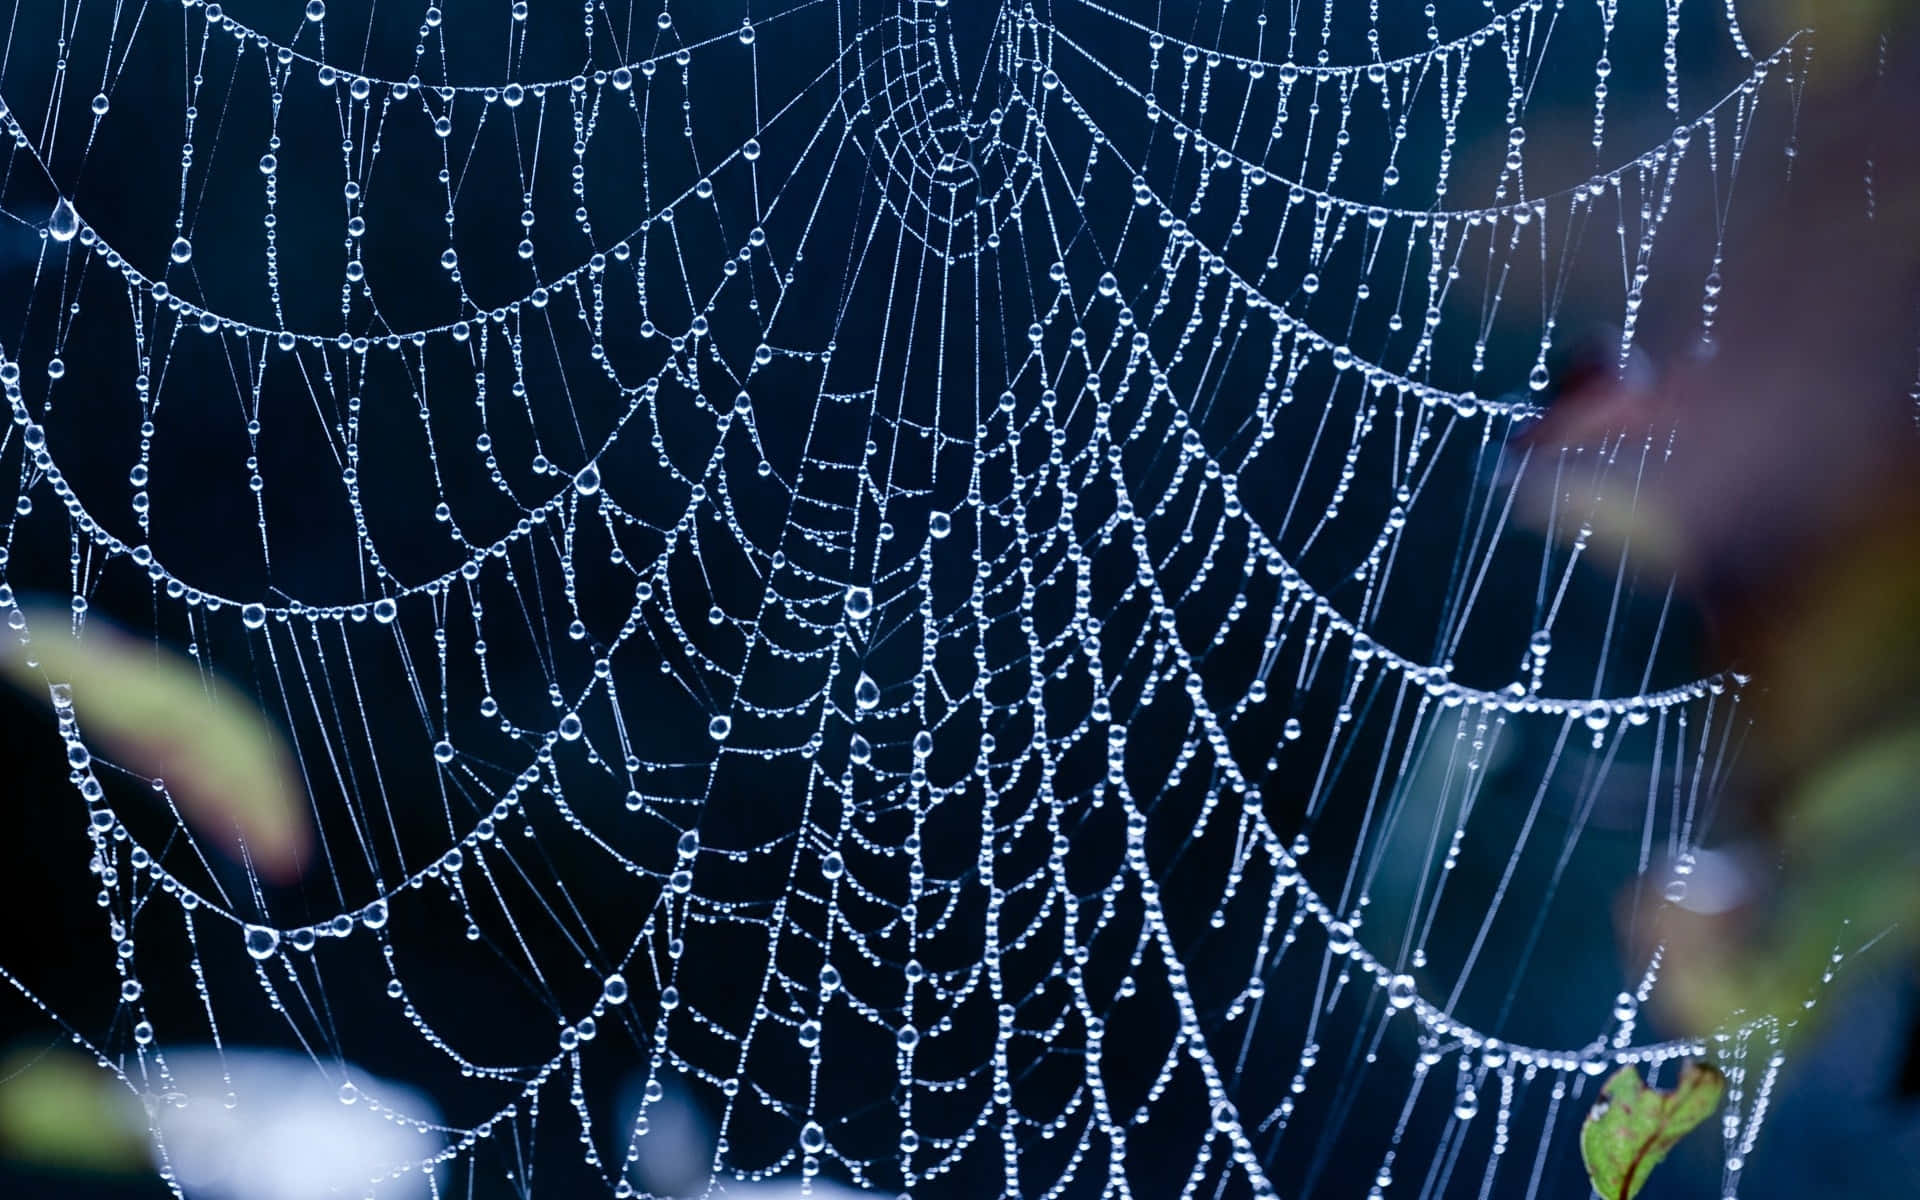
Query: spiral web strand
[(943, 579)]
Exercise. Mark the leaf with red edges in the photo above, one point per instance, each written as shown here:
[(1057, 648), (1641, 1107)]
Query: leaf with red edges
[(1632, 1126)]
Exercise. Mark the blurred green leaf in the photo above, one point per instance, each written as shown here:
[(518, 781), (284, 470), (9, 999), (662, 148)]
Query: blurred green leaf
[(159, 713), (1848, 863), (1633, 1126), (58, 1109)]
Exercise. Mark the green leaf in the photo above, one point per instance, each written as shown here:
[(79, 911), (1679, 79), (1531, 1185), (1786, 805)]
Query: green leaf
[(162, 715), (1632, 1126), (59, 1110)]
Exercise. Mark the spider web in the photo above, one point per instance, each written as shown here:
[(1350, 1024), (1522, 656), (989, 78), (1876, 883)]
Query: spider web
[(942, 579)]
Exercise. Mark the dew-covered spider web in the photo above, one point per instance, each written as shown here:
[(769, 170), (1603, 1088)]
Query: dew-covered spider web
[(952, 584)]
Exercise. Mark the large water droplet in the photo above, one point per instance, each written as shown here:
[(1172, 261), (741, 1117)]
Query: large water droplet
[(587, 482), (182, 250), (262, 941), (813, 1139), (64, 223), (859, 602), (1401, 991), (866, 693), (1340, 938)]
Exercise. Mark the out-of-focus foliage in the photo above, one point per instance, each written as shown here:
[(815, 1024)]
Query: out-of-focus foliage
[(58, 1109), (233, 1124), (1849, 30), (160, 714), (1850, 876), (1787, 505), (1633, 1126)]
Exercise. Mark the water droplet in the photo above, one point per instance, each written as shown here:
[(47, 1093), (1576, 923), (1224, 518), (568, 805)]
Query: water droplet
[(860, 750), (253, 616), (182, 250), (615, 990), (859, 602), (1401, 991), (866, 693), (940, 525), (719, 728), (64, 224), (813, 1139), (262, 941), (316, 10), (907, 1037), (1467, 1105), (587, 482)]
